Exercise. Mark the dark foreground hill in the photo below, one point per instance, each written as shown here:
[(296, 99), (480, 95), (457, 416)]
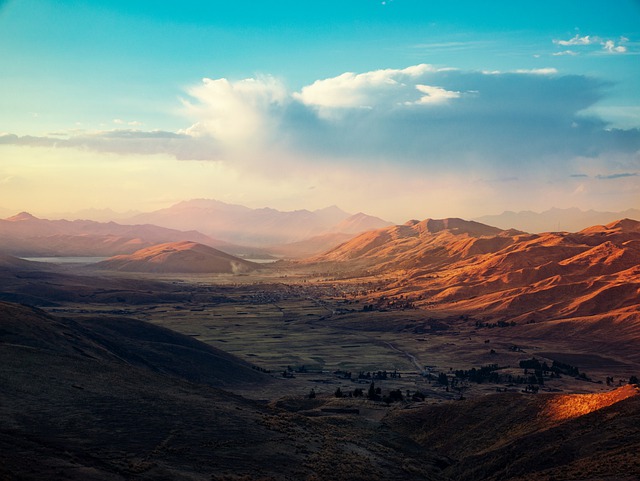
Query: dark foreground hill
[(105, 399), (43, 284)]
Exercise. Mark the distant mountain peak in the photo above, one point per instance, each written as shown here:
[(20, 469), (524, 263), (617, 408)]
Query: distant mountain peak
[(255, 226), (21, 217), (556, 219), (622, 225), (625, 225), (456, 226)]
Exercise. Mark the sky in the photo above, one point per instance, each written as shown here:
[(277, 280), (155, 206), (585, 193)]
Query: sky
[(399, 108)]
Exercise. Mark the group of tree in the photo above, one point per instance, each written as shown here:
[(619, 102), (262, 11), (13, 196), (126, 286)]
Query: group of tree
[(379, 375), (484, 374), (260, 369), (375, 394), (556, 369), (491, 325), (288, 372), (632, 380)]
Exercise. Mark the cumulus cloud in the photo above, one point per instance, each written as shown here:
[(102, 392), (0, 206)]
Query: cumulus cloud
[(611, 47), (420, 116), (377, 89), (236, 112)]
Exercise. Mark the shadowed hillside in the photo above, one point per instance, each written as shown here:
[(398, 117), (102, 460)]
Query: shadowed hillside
[(43, 284), (111, 399)]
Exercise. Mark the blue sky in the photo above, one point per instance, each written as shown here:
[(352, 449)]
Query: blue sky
[(397, 108)]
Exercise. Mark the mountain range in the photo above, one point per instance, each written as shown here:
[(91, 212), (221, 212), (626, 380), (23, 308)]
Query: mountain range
[(463, 266), (246, 232), (555, 220), (28, 236), (258, 227)]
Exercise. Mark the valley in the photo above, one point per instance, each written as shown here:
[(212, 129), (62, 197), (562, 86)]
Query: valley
[(320, 330), (435, 350)]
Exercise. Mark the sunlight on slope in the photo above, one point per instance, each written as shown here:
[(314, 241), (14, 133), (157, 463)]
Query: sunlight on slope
[(574, 405)]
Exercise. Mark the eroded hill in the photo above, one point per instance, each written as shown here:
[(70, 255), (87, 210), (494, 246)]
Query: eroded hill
[(465, 267)]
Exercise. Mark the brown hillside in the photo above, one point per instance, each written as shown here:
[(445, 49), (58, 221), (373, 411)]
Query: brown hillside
[(418, 244), (183, 257), (465, 267)]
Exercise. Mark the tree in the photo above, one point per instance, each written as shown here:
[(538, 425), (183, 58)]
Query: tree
[(371, 394), (312, 394), (396, 396), (633, 380), (338, 393)]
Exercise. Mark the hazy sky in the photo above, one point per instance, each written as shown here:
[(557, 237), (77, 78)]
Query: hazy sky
[(398, 108)]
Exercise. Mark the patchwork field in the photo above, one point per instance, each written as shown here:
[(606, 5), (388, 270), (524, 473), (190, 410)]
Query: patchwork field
[(310, 332)]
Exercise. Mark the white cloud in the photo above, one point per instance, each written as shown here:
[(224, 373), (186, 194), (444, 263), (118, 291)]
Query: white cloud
[(533, 71), (236, 112), (538, 71), (430, 117), (375, 89), (611, 47), (434, 95), (578, 40), (608, 45), (418, 133), (565, 52)]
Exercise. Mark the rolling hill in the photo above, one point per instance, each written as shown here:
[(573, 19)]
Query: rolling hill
[(178, 257)]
